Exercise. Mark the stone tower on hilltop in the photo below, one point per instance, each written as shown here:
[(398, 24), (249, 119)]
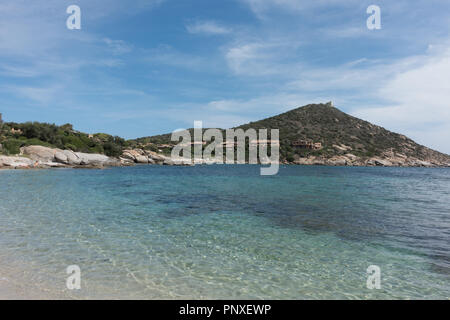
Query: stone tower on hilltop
[(1, 121)]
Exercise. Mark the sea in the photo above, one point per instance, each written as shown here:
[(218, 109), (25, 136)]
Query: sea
[(226, 232)]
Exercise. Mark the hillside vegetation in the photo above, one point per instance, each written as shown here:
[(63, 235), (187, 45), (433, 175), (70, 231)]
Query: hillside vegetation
[(13, 136)]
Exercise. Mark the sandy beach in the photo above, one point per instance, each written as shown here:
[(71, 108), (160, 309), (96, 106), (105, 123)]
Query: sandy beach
[(16, 284), (12, 290)]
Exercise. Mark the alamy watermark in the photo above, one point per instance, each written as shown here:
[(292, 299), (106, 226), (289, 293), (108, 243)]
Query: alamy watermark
[(73, 281), (235, 145), (374, 277), (74, 20), (374, 20)]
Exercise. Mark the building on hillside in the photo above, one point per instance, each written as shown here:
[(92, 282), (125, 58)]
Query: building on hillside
[(18, 131), (305, 144), (1, 121), (317, 145)]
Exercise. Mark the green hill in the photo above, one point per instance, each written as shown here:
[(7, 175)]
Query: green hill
[(337, 132)]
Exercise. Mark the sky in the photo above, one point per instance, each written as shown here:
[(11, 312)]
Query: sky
[(146, 67)]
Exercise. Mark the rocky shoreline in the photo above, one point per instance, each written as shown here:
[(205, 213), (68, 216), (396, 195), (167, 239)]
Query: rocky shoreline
[(395, 160), (39, 157)]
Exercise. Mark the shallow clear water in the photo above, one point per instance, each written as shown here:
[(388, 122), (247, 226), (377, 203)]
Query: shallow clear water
[(225, 232)]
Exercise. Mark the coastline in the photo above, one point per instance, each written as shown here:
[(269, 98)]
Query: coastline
[(39, 157)]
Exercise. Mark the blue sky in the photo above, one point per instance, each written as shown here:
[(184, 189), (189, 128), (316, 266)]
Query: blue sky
[(145, 67)]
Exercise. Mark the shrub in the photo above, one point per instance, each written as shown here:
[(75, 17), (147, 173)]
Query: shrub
[(37, 142), (12, 146), (112, 150)]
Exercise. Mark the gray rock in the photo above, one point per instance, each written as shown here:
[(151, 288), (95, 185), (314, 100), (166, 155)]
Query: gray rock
[(95, 159), (154, 156), (379, 162), (337, 161), (126, 161), (168, 162), (130, 155), (135, 155), (16, 162), (39, 153), (420, 163), (141, 159), (61, 157), (72, 158)]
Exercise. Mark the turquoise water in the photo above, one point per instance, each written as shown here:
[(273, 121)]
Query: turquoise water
[(225, 232)]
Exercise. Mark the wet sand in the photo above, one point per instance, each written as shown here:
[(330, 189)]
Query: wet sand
[(15, 285), (11, 290)]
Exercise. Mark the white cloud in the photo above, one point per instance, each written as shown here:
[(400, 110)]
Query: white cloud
[(419, 102), (208, 28), (261, 8), (117, 47), (258, 58), (41, 95), (17, 71), (347, 32), (168, 56), (246, 58)]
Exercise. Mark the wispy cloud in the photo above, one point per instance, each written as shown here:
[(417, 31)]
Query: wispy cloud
[(117, 47), (208, 28), (268, 57), (262, 8), (41, 95)]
